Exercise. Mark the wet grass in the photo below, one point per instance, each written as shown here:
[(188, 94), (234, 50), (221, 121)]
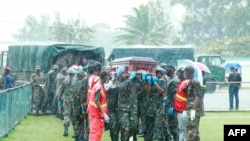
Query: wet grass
[(50, 128)]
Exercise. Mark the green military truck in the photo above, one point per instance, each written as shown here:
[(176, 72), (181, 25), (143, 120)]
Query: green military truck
[(23, 58), (161, 54), (218, 72)]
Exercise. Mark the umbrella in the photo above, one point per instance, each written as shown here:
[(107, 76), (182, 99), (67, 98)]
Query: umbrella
[(202, 67), (235, 65), (197, 72)]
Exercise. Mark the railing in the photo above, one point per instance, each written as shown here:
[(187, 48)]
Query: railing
[(15, 104)]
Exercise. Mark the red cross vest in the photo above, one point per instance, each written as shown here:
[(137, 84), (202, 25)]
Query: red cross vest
[(180, 101), (92, 107)]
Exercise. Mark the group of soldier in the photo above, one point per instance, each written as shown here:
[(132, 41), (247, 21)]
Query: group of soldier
[(138, 103)]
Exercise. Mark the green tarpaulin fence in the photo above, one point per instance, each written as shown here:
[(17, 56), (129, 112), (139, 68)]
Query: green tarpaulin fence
[(15, 104)]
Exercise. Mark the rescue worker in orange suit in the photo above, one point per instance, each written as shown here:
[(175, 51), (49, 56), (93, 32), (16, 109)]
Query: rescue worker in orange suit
[(97, 108), (94, 77)]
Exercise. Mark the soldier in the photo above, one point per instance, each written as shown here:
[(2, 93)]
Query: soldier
[(83, 131), (37, 83), (123, 103), (112, 100), (193, 105), (136, 88), (59, 79), (67, 88), (50, 90), (158, 91), (171, 91), (77, 101), (165, 76), (141, 104)]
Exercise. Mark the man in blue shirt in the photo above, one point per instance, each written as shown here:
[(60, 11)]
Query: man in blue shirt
[(9, 81)]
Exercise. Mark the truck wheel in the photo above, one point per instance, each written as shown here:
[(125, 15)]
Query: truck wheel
[(210, 86)]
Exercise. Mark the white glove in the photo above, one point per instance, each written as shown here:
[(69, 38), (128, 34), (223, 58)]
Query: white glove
[(184, 114), (106, 117), (107, 86), (192, 115)]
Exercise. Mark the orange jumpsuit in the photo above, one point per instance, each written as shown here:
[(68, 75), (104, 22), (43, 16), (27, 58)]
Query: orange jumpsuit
[(95, 116)]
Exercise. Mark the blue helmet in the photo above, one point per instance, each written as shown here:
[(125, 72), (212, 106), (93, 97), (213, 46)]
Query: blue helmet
[(120, 70), (71, 71), (132, 75), (161, 70)]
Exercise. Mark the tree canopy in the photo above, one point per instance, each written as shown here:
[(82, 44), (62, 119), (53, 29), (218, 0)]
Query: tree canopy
[(146, 25), (45, 29)]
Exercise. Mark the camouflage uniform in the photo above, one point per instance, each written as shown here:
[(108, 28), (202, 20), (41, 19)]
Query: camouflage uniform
[(67, 88), (59, 79), (77, 103), (82, 122), (50, 87), (136, 88), (172, 120), (112, 100), (150, 113), (37, 80), (161, 119), (193, 89), (141, 108), (128, 107)]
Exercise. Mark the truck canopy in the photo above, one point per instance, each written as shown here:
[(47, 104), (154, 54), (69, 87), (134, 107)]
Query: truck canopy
[(26, 57), (161, 54)]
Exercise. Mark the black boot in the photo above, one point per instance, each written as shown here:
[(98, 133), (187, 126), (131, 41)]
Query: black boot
[(65, 133), (37, 113)]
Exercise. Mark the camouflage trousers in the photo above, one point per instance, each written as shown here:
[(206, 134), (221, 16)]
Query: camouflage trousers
[(68, 110), (81, 127), (37, 98), (173, 126), (124, 122), (161, 126), (193, 128), (114, 125), (149, 128), (48, 102), (142, 116)]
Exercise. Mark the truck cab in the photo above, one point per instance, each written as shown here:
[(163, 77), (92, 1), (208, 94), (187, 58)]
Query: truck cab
[(217, 75)]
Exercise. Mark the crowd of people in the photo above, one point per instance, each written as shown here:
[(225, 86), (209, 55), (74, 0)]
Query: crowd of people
[(164, 106)]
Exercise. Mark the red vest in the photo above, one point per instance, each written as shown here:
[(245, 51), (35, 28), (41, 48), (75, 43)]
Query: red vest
[(93, 79), (92, 107), (180, 101)]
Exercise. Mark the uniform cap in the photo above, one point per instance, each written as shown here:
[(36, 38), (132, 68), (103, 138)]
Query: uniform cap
[(71, 71), (80, 72), (97, 64), (171, 67), (38, 67), (160, 69), (120, 70), (55, 66), (189, 69)]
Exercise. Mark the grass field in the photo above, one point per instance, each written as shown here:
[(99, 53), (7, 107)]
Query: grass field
[(49, 128)]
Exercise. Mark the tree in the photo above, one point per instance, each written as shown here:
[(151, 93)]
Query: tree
[(144, 26), (35, 30), (227, 47), (73, 31), (212, 20)]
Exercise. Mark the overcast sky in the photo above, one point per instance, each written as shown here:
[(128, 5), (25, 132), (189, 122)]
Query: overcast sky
[(14, 12)]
